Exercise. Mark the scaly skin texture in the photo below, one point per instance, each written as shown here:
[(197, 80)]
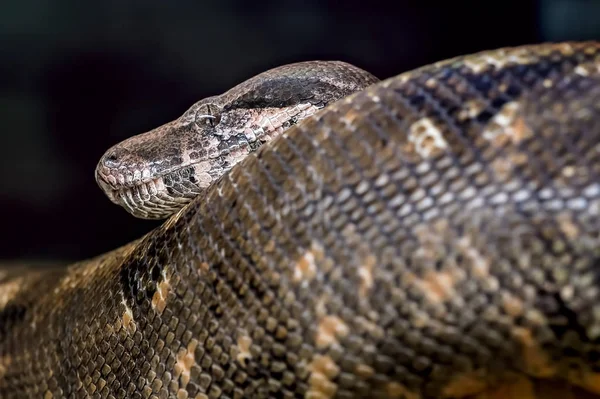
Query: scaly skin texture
[(433, 236), (154, 174)]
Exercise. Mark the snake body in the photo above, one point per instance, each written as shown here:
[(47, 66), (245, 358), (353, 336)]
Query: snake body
[(434, 235)]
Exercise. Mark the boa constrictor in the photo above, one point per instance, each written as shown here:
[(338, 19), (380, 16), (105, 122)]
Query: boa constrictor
[(432, 235)]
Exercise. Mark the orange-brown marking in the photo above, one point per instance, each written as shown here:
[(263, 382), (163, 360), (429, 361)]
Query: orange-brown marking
[(320, 308), (480, 266), (364, 370), (512, 305), (270, 246), (471, 109), (501, 120), (567, 226), (325, 365), (185, 361), (159, 299), (323, 370), (351, 115), (520, 130), (9, 290), (127, 320), (329, 329), (466, 384), (365, 272), (437, 286), (306, 267), (507, 126), (395, 390), (244, 342), (204, 267), (536, 361), (5, 362), (426, 138)]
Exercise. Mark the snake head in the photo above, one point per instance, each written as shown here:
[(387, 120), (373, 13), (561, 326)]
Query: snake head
[(154, 174)]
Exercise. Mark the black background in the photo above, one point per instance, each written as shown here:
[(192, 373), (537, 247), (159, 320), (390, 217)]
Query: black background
[(77, 77)]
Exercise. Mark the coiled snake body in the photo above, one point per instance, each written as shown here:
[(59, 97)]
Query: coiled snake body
[(433, 235)]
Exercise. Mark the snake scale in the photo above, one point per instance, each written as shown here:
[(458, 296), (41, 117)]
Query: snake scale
[(432, 235)]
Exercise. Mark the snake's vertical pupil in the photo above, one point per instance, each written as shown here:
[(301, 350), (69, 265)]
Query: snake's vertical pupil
[(208, 112), (214, 113)]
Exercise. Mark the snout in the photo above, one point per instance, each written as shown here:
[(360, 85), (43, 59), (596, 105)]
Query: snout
[(114, 162), (113, 171), (120, 167)]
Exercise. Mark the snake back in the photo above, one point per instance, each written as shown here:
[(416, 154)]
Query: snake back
[(436, 235)]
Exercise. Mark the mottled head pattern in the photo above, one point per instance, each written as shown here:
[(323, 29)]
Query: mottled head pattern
[(154, 174)]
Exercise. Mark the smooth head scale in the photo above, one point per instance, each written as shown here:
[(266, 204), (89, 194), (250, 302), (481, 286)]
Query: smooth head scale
[(154, 174)]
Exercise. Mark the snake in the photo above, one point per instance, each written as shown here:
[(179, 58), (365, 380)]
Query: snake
[(435, 234)]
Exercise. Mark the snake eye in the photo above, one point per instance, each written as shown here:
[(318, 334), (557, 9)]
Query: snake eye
[(208, 115)]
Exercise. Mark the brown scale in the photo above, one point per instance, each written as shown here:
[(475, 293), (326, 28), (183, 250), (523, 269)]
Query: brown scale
[(424, 238)]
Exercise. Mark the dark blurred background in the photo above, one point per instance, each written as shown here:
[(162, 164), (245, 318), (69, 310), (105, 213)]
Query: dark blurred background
[(77, 77)]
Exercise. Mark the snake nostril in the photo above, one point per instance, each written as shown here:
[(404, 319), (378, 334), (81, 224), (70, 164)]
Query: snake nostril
[(112, 159)]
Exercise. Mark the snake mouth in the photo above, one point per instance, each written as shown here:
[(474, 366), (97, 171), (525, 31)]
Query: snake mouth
[(146, 194), (151, 197)]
